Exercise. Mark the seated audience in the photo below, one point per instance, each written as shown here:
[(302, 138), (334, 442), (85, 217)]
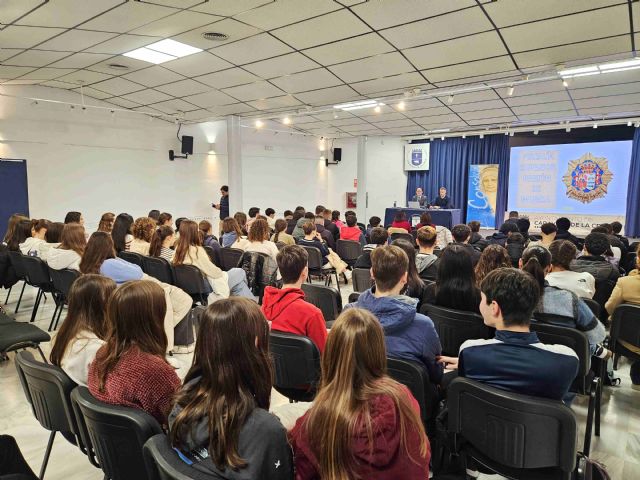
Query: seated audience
[(500, 237), (106, 222), (270, 213), (13, 465), (280, 235), (142, 230), (476, 239), (492, 258), (456, 284), (523, 227), (425, 221), (614, 254), (362, 424), (154, 215), (374, 222), (130, 369), (426, 260), (35, 243), (85, 327), (286, 307), (335, 219), (564, 303), (329, 225), (400, 222), (613, 239), (231, 233), (54, 232), (161, 241), (563, 252), (377, 237), (415, 287), (408, 334), (549, 232), (121, 232), (461, 236), (293, 221), (165, 219), (313, 239), (564, 224), (74, 217), (71, 249), (298, 231), (208, 238), (259, 239), (8, 276), (515, 360), (593, 261), (443, 237), (288, 214), (179, 220), (241, 218), (220, 421), (513, 217), (326, 235), (351, 231), (515, 247), (19, 235), (253, 213), (616, 227)]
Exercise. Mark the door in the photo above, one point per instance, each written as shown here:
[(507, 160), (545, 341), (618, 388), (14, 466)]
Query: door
[(14, 192)]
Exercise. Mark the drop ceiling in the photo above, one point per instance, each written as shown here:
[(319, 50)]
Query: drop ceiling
[(298, 58)]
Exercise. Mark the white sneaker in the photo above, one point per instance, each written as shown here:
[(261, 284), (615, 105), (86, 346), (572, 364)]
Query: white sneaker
[(179, 349), (172, 361), (347, 274)]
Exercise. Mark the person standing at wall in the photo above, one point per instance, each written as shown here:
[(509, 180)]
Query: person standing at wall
[(223, 206)]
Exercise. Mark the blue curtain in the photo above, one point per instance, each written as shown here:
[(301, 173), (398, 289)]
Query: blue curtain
[(632, 221), (449, 167)]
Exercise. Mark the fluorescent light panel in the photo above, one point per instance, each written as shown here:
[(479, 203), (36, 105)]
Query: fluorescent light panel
[(162, 51), (611, 67)]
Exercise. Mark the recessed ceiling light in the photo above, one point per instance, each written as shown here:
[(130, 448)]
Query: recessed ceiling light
[(259, 123), (286, 120), (215, 36), (356, 105), (401, 105), (377, 109), (162, 51), (148, 55)]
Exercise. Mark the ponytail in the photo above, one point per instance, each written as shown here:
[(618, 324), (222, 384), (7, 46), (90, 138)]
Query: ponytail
[(535, 269), (159, 236), (535, 260)]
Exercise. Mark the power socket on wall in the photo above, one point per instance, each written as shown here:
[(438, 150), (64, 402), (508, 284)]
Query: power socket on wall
[(268, 148)]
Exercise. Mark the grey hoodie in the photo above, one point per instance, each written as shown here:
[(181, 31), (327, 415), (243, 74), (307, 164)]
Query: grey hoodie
[(298, 233)]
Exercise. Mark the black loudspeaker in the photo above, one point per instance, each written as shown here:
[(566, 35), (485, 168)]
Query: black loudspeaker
[(337, 154), (187, 145)]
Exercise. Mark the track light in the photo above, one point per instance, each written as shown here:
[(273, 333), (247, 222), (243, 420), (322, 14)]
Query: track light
[(377, 109), (450, 99), (506, 132), (442, 138), (481, 136), (565, 84), (535, 132), (595, 125), (568, 129), (637, 124), (464, 136), (510, 90), (259, 124), (401, 105), (512, 133), (629, 123), (286, 120)]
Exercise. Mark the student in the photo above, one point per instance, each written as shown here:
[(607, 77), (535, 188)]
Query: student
[(500, 237), (288, 215), (231, 232), (329, 225), (443, 237), (259, 239), (563, 252), (461, 235), (426, 260), (253, 213), (524, 224), (154, 215), (106, 222), (374, 222), (408, 334), (36, 242), (8, 276), (286, 307), (281, 235), (165, 219), (143, 229), (476, 239), (223, 407), (515, 247), (293, 221), (515, 360), (313, 239), (121, 232), (161, 241), (616, 227), (425, 221), (377, 237), (208, 238), (335, 219), (492, 258), (351, 231), (54, 232), (400, 221), (513, 217), (455, 286), (616, 247), (549, 231), (298, 231), (74, 217), (593, 261), (415, 287), (327, 236), (241, 218), (20, 233), (270, 213), (362, 424), (564, 224), (130, 368), (71, 249), (85, 328)]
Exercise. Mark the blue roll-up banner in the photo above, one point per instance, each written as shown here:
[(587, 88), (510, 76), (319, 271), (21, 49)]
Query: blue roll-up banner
[(482, 193)]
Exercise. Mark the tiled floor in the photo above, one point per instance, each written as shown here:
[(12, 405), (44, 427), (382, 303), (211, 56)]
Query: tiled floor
[(618, 447)]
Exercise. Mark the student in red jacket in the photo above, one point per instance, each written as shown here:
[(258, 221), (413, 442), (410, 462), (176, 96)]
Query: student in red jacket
[(352, 231), (362, 423), (286, 308)]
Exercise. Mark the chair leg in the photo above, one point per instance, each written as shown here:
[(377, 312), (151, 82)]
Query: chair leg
[(597, 408), (36, 305), (590, 412), (44, 359), (6, 300), (24, 284), (337, 281), (616, 357), (53, 318), (59, 315), (46, 455)]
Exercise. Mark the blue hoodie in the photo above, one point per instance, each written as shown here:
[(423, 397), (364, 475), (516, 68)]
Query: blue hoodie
[(408, 334), (120, 271)]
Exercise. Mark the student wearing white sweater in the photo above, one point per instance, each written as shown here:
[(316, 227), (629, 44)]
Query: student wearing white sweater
[(36, 244), (69, 253), (259, 239)]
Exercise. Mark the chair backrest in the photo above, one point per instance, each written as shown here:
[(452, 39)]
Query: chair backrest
[(362, 280), (628, 261), (348, 250), (63, 279), (296, 362), (163, 462), (625, 325), (115, 435), (37, 271), (16, 261), (509, 432), (159, 268), (230, 258), (261, 271), (132, 257), (211, 253), (593, 305), (327, 299), (315, 258), (455, 327), (190, 279), (404, 236), (603, 292)]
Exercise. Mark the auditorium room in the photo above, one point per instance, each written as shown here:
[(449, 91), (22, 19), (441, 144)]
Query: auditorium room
[(319, 239)]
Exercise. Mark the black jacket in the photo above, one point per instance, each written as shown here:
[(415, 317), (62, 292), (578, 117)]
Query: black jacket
[(597, 266), (473, 252), (478, 242), (565, 235), (442, 202), (497, 238)]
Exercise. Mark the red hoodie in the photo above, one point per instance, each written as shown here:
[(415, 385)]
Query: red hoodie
[(383, 460), (288, 311)]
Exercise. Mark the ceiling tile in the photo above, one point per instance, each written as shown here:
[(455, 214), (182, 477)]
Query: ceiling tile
[(612, 109), (548, 116), (493, 113), (153, 76), (480, 96), (184, 88), (608, 79), (197, 64), (9, 52), (421, 104), (410, 130), (474, 47), (231, 109), (67, 13), (253, 91), (210, 99), (13, 9), (275, 102), (173, 25), (92, 92), (251, 49), (350, 49), (283, 65), (530, 90), (75, 40), (543, 107), (475, 106), (174, 106), (46, 74), (379, 66), (227, 78), (128, 16), (8, 72), (613, 100), (145, 97), (35, 58), (15, 36), (394, 82), (122, 44), (285, 12), (505, 120), (80, 60), (197, 115), (121, 102), (84, 76), (234, 29), (606, 90), (443, 124), (395, 123), (305, 81), (317, 31), (346, 121), (117, 86), (470, 69), (131, 63), (57, 84), (20, 81), (299, 119), (229, 7), (539, 98), (395, 12), (419, 115), (175, 3), (327, 96)]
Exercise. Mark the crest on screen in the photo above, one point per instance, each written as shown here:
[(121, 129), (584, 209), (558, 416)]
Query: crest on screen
[(587, 178)]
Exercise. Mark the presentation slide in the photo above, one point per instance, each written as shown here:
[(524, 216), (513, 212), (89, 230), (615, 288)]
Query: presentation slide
[(585, 182)]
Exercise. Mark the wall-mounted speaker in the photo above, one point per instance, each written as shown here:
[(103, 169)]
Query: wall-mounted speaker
[(187, 145), (337, 154)]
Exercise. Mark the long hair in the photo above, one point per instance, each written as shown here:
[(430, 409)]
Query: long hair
[(106, 222), (87, 311), (230, 225), (121, 228), (535, 260), (280, 226), (259, 231), (21, 232), (241, 218), (135, 314), (12, 225), (98, 249), (164, 218), (189, 237), (157, 239), (414, 282), (456, 278), (72, 217), (143, 228), (353, 372), (73, 238), (236, 377), (54, 232), (492, 257)]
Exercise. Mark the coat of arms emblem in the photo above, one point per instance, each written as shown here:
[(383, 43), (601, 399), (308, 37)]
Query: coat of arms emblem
[(587, 178)]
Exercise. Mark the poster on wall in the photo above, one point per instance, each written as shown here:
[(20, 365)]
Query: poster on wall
[(351, 200), (483, 191), (416, 156)]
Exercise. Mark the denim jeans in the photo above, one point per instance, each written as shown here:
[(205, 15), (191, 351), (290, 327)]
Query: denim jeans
[(238, 284)]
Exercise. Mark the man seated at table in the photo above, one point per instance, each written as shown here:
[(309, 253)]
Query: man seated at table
[(443, 200), (419, 197)]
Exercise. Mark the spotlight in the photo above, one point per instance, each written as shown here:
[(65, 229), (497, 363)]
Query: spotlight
[(512, 133), (506, 132), (286, 120), (629, 123), (259, 124), (565, 84), (481, 136), (535, 132), (450, 99), (637, 124), (510, 90), (595, 125), (568, 129), (401, 105), (464, 136), (377, 109), (442, 138)]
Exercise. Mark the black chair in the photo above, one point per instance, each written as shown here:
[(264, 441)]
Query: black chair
[(230, 258), (628, 261), (315, 266), (159, 268), (348, 251), (327, 299), (15, 258), (514, 435), (362, 280), (38, 274), (296, 362), (132, 257), (593, 306), (191, 280), (163, 463), (455, 327), (213, 256), (114, 435), (62, 281), (404, 236), (48, 390), (416, 378), (625, 331), (601, 295), (16, 336)]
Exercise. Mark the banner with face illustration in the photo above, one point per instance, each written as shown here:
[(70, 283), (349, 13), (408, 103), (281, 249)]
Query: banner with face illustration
[(482, 193)]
